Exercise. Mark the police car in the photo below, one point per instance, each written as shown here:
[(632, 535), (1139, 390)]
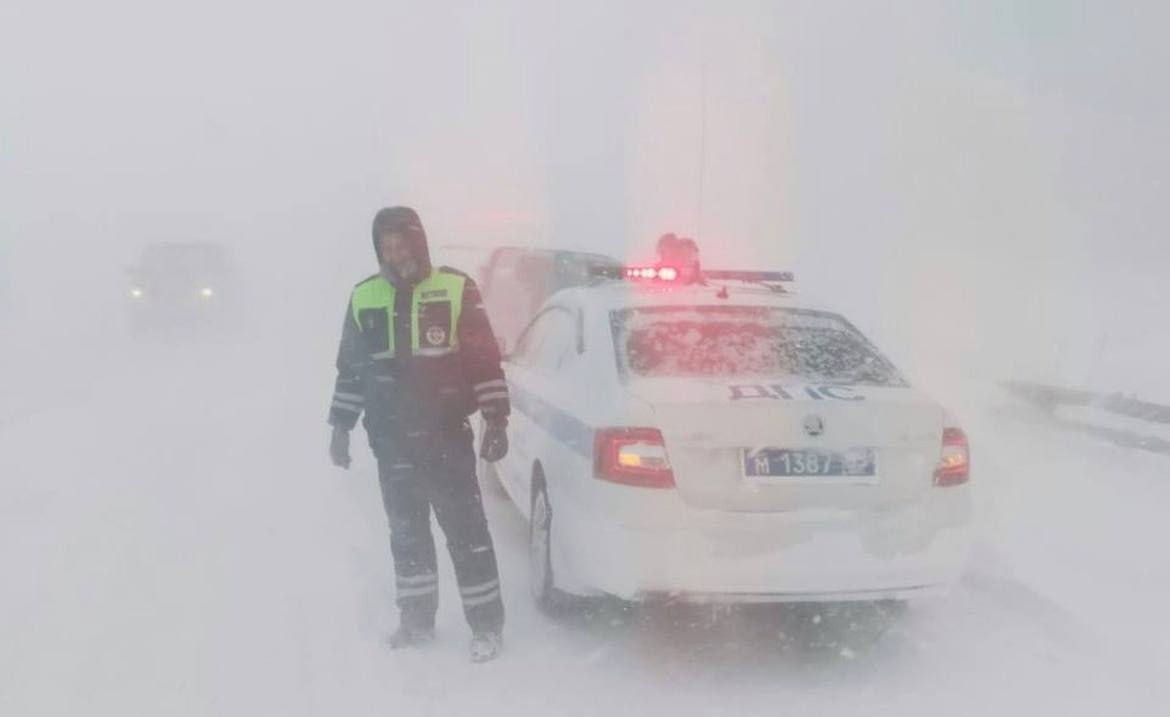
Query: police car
[(718, 439)]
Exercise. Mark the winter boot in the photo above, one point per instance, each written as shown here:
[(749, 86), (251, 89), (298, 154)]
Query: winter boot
[(408, 635), (486, 646)]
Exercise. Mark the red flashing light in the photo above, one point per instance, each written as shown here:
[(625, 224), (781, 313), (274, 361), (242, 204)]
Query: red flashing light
[(652, 273)]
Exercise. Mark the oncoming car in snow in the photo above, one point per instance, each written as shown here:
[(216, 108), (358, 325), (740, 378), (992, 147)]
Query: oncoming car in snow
[(182, 285), (722, 441)]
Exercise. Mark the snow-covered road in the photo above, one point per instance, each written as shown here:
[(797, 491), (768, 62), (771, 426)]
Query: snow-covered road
[(173, 541)]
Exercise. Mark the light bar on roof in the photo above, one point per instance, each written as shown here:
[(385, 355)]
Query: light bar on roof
[(651, 273), (670, 274), (754, 276)]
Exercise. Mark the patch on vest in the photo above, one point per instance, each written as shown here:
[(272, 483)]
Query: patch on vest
[(436, 336), (434, 294)]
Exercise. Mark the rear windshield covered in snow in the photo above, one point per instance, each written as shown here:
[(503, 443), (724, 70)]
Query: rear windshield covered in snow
[(747, 341)]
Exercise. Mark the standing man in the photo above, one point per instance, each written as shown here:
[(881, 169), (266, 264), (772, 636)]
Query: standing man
[(418, 357)]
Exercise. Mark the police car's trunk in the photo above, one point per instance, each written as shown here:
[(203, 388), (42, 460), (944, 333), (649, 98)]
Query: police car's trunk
[(708, 426)]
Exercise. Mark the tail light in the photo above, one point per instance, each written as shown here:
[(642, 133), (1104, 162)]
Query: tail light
[(632, 456), (954, 467)]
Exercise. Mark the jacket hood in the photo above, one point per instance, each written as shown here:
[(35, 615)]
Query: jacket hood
[(404, 221)]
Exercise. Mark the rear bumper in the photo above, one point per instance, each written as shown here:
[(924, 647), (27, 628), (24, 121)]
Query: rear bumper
[(914, 551)]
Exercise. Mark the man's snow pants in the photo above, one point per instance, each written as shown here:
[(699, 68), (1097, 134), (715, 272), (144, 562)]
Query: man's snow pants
[(428, 470)]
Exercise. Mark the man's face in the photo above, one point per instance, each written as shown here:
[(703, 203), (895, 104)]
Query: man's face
[(397, 253)]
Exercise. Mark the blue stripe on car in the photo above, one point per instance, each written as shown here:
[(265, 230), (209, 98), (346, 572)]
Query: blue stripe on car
[(564, 427)]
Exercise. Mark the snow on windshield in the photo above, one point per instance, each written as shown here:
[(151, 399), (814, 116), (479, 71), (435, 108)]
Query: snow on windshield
[(747, 341)]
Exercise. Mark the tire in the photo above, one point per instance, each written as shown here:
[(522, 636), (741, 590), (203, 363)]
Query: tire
[(541, 580)]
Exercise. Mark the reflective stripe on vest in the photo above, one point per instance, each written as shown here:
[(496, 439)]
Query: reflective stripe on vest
[(436, 304)]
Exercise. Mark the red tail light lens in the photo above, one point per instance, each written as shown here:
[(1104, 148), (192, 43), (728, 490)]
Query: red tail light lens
[(632, 456), (954, 466)]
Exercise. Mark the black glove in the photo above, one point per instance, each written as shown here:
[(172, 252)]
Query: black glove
[(339, 447), (495, 441)]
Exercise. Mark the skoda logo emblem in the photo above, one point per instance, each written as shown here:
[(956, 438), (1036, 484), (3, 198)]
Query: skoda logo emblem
[(814, 425), (436, 335)]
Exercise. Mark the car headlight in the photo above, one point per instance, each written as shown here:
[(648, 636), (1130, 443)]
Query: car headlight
[(206, 292), (136, 293)]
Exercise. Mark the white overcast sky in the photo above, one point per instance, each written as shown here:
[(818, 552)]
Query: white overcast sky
[(910, 150)]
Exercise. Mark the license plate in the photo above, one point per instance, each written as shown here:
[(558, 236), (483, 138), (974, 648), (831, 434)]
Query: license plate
[(811, 463)]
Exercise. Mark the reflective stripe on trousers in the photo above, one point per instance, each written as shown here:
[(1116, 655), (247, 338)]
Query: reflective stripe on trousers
[(436, 471)]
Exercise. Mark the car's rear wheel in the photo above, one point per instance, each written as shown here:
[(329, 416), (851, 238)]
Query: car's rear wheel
[(542, 582)]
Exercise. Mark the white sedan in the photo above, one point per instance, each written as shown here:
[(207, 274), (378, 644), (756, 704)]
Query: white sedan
[(724, 442)]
